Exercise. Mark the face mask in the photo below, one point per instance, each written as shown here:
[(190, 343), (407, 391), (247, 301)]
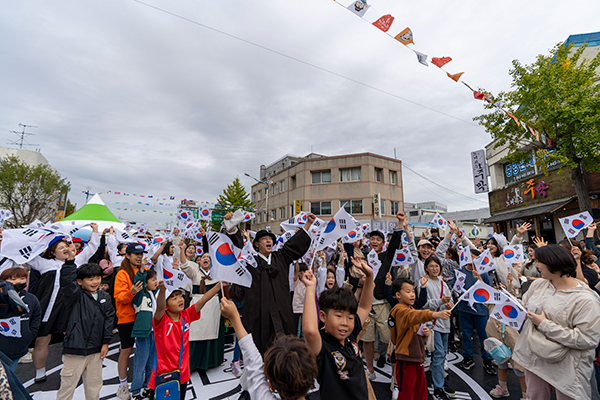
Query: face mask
[(19, 287)]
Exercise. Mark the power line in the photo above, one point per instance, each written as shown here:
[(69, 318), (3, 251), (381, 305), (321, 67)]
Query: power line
[(443, 187), (302, 62)]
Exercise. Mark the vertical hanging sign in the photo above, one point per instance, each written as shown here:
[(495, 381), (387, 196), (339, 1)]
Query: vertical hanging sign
[(479, 172)]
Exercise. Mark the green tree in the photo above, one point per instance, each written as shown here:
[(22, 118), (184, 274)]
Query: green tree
[(559, 96), (70, 208), (233, 198), (29, 192)]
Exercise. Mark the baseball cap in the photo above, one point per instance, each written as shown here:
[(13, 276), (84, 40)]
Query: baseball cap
[(135, 248)]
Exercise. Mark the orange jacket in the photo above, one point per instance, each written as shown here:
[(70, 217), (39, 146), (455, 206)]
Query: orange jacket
[(404, 322), (124, 297)]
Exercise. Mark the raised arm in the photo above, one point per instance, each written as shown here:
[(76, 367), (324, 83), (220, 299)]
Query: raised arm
[(366, 299), (91, 248), (310, 324), (161, 303), (209, 295), (158, 252), (113, 248)]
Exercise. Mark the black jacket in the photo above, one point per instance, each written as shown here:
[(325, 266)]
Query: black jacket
[(15, 348), (386, 258), (90, 321)]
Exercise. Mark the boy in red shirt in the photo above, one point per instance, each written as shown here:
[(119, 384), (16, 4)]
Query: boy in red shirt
[(167, 325)]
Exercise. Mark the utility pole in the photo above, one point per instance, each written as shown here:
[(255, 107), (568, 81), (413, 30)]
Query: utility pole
[(267, 183), (22, 135)]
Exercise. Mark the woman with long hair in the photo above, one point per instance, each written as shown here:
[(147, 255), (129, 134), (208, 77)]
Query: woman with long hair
[(47, 290)]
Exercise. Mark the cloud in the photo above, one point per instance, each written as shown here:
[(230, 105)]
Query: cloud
[(133, 99)]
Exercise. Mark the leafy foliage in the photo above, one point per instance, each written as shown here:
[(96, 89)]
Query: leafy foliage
[(559, 96), (29, 192), (233, 198)]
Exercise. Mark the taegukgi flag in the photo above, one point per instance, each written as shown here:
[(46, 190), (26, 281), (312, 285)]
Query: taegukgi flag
[(402, 257), (340, 225), (224, 257), (513, 254), (510, 312), (459, 283), (374, 262), (465, 256), (440, 222), (575, 223), (483, 294), (11, 327), (485, 262)]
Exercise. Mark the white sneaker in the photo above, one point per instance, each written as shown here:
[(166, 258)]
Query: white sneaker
[(446, 365), (395, 393), (371, 375), (26, 359), (123, 393)]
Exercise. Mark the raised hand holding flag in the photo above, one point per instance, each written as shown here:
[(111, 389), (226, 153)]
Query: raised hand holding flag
[(465, 256), (483, 294)]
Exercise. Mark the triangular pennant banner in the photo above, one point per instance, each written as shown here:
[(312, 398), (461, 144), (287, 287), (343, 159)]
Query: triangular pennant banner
[(440, 61), (405, 37), (422, 58), (455, 77), (384, 22)]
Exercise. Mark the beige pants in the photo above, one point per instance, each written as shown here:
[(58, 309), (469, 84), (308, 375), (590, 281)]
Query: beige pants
[(74, 367), (379, 321)]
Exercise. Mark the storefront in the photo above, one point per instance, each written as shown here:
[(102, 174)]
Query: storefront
[(540, 200)]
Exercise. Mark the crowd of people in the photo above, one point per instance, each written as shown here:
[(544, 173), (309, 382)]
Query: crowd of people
[(309, 317)]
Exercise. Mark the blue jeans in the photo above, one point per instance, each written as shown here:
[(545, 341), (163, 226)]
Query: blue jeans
[(468, 322), (236, 350), (143, 362), (438, 358)]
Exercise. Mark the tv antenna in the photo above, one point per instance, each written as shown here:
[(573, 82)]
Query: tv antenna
[(22, 135)]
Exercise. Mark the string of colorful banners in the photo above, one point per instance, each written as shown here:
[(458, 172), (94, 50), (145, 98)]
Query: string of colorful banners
[(119, 193), (384, 23)]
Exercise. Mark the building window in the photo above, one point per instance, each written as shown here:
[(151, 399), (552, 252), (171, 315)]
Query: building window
[(393, 176), (378, 174), (394, 207), (259, 218), (282, 186), (293, 178), (274, 190), (382, 207), (350, 174), (260, 195), (321, 176), (413, 213), (282, 213), (254, 197), (291, 211), (352, 206), (320, 207), (273, 215)]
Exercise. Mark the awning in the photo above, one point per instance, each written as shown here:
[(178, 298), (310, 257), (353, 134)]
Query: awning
[(532, 211)]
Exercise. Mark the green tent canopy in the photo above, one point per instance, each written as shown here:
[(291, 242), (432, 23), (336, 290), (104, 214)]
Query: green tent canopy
[(96, 211)]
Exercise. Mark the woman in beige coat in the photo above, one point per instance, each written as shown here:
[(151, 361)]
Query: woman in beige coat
[(566, 311)]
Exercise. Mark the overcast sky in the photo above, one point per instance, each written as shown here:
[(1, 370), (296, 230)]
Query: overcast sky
[(129, 98)]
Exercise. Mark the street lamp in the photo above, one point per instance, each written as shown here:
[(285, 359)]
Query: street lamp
[(266, 182)]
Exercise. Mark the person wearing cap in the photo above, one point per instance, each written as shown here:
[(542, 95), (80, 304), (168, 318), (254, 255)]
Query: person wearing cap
[(379, 320), (79, 243), (125, 291), (268, 306), (434, 239), (47, 290)]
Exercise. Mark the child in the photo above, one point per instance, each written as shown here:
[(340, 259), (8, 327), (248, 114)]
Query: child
[(298, 298), (470, 320), (289, 367), (89, 329), (16, 347), (168, 332), (407, 333), (439, 296), (143, 303), (341, 373)]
